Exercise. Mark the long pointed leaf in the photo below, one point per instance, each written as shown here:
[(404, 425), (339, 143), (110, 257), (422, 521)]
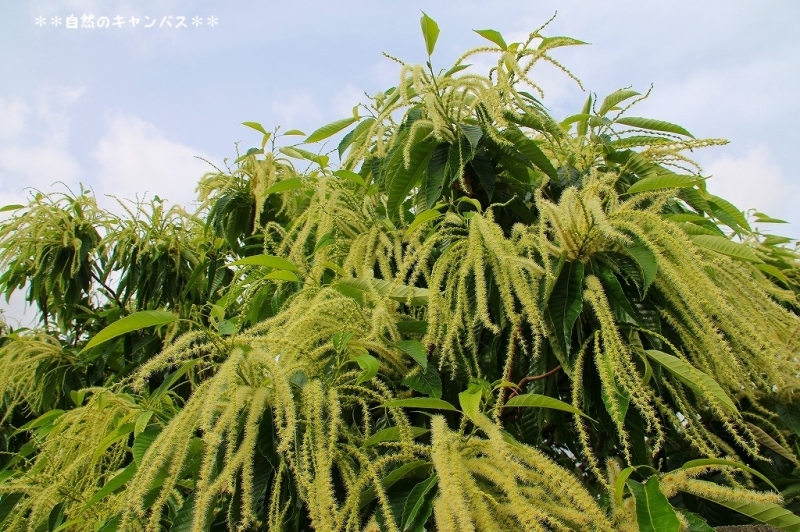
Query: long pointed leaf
[(664, 181), (654, 513), (646, 261), (493, 36), (400, 183), (270, 261), (653, 125), (419, 505), (357, 289), (614, 98), (691, 376), (703, 462), (566, 302), (768, 513), (720, 244), (392, 434), (329, 130), (134, 322), (420, 402), (430, 32), (543, 401), (112, 485)]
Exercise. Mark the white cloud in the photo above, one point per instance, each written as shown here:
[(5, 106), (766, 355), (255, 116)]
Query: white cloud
[(347, 97), (755, 181), (34, 151), (14, 112), (295, 110), (135, 158)]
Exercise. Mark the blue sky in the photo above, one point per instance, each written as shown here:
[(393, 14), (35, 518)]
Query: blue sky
[(127, 110)]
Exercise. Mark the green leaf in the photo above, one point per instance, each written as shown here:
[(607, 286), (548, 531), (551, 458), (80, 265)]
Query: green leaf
[(727, 212), (774, 240), (703, 462), (430, 32), (45, 419), (695, 229), (420, 402), (13, 207), (531, 150), (392, 434), (774, 272), (470, 402), (270, 261), (493, 36), (619, 486), (419, 220), (121, 432), (614, 98), (251, 151), (579, 117), (282, 275), (400, 182), (419, 505), (299, 153), (583, 123), (767, 219), (456, 69), (7, 504), (696, 523), (615, 400), (433, 181), (143, 442), (393, 477), (284, 185), (358, 288), (790, 415), (654, 513), (350, 176), (134, 322), (356, 135), (112, 485), (722, 245), (663, 181), (255, 125), (415, 350), (614, 291), (172, 379), (693, 378), (426, 382), (768, 513), (554, 42), (543, 401), (472, 133), (646, 261), (769, 442), (68, 524), (294, 132), (653, 125), (77, 396), (412, 327), (329, 130), (632, 162), (369, 366), (566, 302), (228, 327), (141, 422)]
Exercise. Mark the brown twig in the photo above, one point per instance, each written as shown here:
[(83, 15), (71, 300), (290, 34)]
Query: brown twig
[(526, 380)]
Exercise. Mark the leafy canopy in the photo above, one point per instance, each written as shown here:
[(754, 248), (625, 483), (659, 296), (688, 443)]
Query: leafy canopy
[(464, 315)]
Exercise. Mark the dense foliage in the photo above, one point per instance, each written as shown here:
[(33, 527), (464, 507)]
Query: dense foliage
[(482, 318)]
